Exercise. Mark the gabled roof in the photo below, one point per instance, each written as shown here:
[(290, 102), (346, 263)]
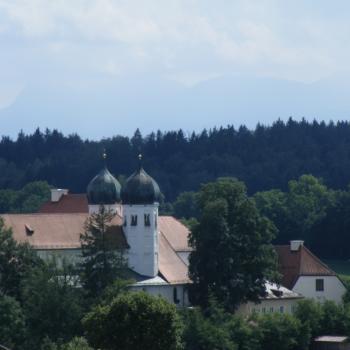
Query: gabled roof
[(62, 231), (55, 231), (302, 262), (68, 203), (171, 266), (175, 232)]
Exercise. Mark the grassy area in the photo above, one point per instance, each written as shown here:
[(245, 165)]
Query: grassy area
[(341, 267)]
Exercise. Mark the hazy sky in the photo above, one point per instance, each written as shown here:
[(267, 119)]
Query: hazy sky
[(103, 67)]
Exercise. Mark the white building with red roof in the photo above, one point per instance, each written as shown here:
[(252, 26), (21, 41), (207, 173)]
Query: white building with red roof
[(306, 274)]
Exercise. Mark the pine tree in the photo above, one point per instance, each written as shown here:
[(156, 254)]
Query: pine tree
[(102, 252)]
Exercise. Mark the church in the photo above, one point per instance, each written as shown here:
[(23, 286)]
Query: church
[(157, 248)]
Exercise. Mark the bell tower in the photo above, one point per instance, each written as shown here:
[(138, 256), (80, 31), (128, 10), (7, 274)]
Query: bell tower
[(140, 201)]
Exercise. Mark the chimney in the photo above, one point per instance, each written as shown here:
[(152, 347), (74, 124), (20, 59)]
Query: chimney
[(57, 193), (295, 245)]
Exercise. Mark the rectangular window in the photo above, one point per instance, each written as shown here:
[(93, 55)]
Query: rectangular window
[(281, 309), (147, 220), (133, 220), (271, 309), (176, 299), (319, 285)]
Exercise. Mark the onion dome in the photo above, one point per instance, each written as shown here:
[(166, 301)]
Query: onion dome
[(104, 188), (140, 188)]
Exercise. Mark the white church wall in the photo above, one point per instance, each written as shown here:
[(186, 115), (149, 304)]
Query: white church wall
[(142, 238), (164, 290), (333, 288), (175, 294), (72, 256)]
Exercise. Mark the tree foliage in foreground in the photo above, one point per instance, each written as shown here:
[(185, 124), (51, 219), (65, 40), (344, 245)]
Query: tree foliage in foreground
[(282, 332), (77, 343), (16, 260), (103, 256), (214, 329), (232, 256), (134, 320), (12, 323), (52, 302)]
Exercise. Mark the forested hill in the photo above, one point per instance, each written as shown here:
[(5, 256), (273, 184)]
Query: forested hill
[(264, 158)]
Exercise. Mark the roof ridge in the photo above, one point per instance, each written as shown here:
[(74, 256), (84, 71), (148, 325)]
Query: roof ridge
[(42, 214), (175, 219)]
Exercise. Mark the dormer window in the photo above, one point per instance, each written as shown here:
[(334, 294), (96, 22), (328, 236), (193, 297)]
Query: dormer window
[(277, 293), (133, 220), (147, 220), (29, 230)]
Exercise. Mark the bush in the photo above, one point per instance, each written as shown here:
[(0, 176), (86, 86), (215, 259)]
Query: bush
[(206, 332), (75, 344), (52, 303), (12, 324), (282, 332), (134, 320), (310, 314)]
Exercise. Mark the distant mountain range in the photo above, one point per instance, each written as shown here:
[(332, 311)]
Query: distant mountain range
[(95, 109)]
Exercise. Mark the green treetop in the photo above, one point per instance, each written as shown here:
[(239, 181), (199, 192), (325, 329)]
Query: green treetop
[(232, 256)]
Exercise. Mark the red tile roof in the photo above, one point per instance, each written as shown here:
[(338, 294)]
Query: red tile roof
[(171, 267), (302, 262), (62, 231), (175, 232), (52, 231), (68, 203)]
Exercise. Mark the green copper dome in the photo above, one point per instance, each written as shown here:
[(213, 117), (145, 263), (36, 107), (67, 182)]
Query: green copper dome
[(104, 188), (140, 188)]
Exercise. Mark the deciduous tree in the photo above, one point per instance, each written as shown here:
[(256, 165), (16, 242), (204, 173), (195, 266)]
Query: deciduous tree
[(134, 320), (232, 256), (16, 260)]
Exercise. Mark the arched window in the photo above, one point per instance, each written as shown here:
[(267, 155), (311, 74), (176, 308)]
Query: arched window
[(133, 220)]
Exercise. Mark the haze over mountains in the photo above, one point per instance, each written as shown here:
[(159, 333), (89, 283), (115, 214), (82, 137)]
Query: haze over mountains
[(103, 108)]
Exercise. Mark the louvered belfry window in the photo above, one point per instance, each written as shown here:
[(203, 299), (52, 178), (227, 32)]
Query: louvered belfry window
[(147, 220), (133, 220)]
